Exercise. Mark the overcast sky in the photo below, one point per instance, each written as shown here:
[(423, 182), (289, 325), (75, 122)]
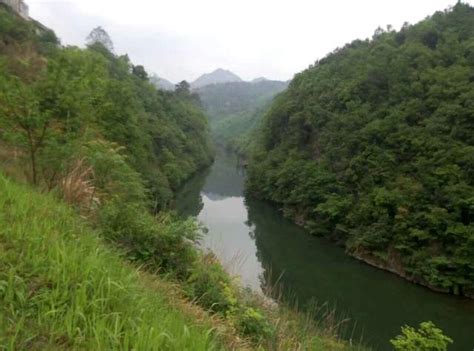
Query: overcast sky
[(182, 39)]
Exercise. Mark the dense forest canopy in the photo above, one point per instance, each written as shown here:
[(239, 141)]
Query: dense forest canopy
[(104, 152), (373, 146), (58, 102)]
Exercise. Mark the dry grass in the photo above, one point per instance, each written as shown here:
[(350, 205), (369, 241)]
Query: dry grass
[(77, 187), (317, 327), (12, 162)]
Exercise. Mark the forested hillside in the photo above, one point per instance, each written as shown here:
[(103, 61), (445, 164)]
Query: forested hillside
[(59, 104), (373, 146), (236, 108), (90, 256)]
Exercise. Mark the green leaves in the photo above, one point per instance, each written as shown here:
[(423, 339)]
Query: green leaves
[(51, 105), (426, 338), (377, 139)]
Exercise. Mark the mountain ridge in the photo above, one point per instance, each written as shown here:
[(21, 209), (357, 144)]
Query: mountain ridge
[(217, 76), (161, 83)]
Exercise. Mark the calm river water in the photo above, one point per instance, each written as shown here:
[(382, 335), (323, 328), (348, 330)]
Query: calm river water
[(254, 241)]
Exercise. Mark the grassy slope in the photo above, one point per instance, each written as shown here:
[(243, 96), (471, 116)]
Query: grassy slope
[(61, 288)]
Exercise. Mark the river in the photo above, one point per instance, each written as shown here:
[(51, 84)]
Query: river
[(254, 241)]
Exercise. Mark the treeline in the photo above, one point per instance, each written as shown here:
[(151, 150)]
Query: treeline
[(86, 127), (59, 105), (373, 146)]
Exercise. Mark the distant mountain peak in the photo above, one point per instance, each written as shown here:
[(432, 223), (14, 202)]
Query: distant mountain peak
[(258, 80), (217, 76), (161, 83)]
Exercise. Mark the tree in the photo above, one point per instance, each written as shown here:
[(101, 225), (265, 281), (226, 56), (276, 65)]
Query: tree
[(100, 36), (183, 88), (390, 119), (426, 338), (24, 123), (139, 71)]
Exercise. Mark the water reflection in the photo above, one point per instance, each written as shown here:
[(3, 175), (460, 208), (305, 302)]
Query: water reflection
[(249, 235)]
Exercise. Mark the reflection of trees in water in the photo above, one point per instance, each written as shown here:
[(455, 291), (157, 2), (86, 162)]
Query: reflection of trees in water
[(300, 271), (188, 200), (309, 269), (226, 177), (275, 252)]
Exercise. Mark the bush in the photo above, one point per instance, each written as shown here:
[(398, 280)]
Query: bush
[(162, 243), (252, 322), (426, 338), (209, 285)]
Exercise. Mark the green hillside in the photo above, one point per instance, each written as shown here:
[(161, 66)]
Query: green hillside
[(56, 100), (234, 109), (91, 258), (373, 146), (62, 288)]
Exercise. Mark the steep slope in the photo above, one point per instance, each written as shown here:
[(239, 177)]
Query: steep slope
[(82, 95), (373, 146), (216, 77), (62, 288), (100, 145), (236, 108)]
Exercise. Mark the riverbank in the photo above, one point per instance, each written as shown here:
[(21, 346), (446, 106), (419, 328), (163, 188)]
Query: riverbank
[(63, 287), (266, 249), (391, 264), (398, 270)]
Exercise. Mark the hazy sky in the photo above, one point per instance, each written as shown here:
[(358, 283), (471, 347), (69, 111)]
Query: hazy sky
[(181, 39)]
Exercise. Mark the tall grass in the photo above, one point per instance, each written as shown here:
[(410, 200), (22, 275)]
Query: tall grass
[(61, 288)]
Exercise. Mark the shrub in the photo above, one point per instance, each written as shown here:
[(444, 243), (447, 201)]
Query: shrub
[(252, 322), (209, 285), (162, 243), (426, 338)]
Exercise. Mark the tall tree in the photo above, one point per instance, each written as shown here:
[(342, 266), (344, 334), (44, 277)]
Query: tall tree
[(99, 36), (23, 122), (140, 72), (183, 88)]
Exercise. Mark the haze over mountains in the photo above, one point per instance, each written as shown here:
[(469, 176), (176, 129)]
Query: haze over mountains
[(161, 83), (234, 107), (218, 76)]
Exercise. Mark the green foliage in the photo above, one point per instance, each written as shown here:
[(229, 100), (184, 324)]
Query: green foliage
[(62, 288), (373, 145), (17, 31), (236, 108), (426, 338), (254, 324), (92, 127), (56, 101), (114, 178), (100, 36), (183, 88), (162, 243), (140, 72), (209, 285)]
